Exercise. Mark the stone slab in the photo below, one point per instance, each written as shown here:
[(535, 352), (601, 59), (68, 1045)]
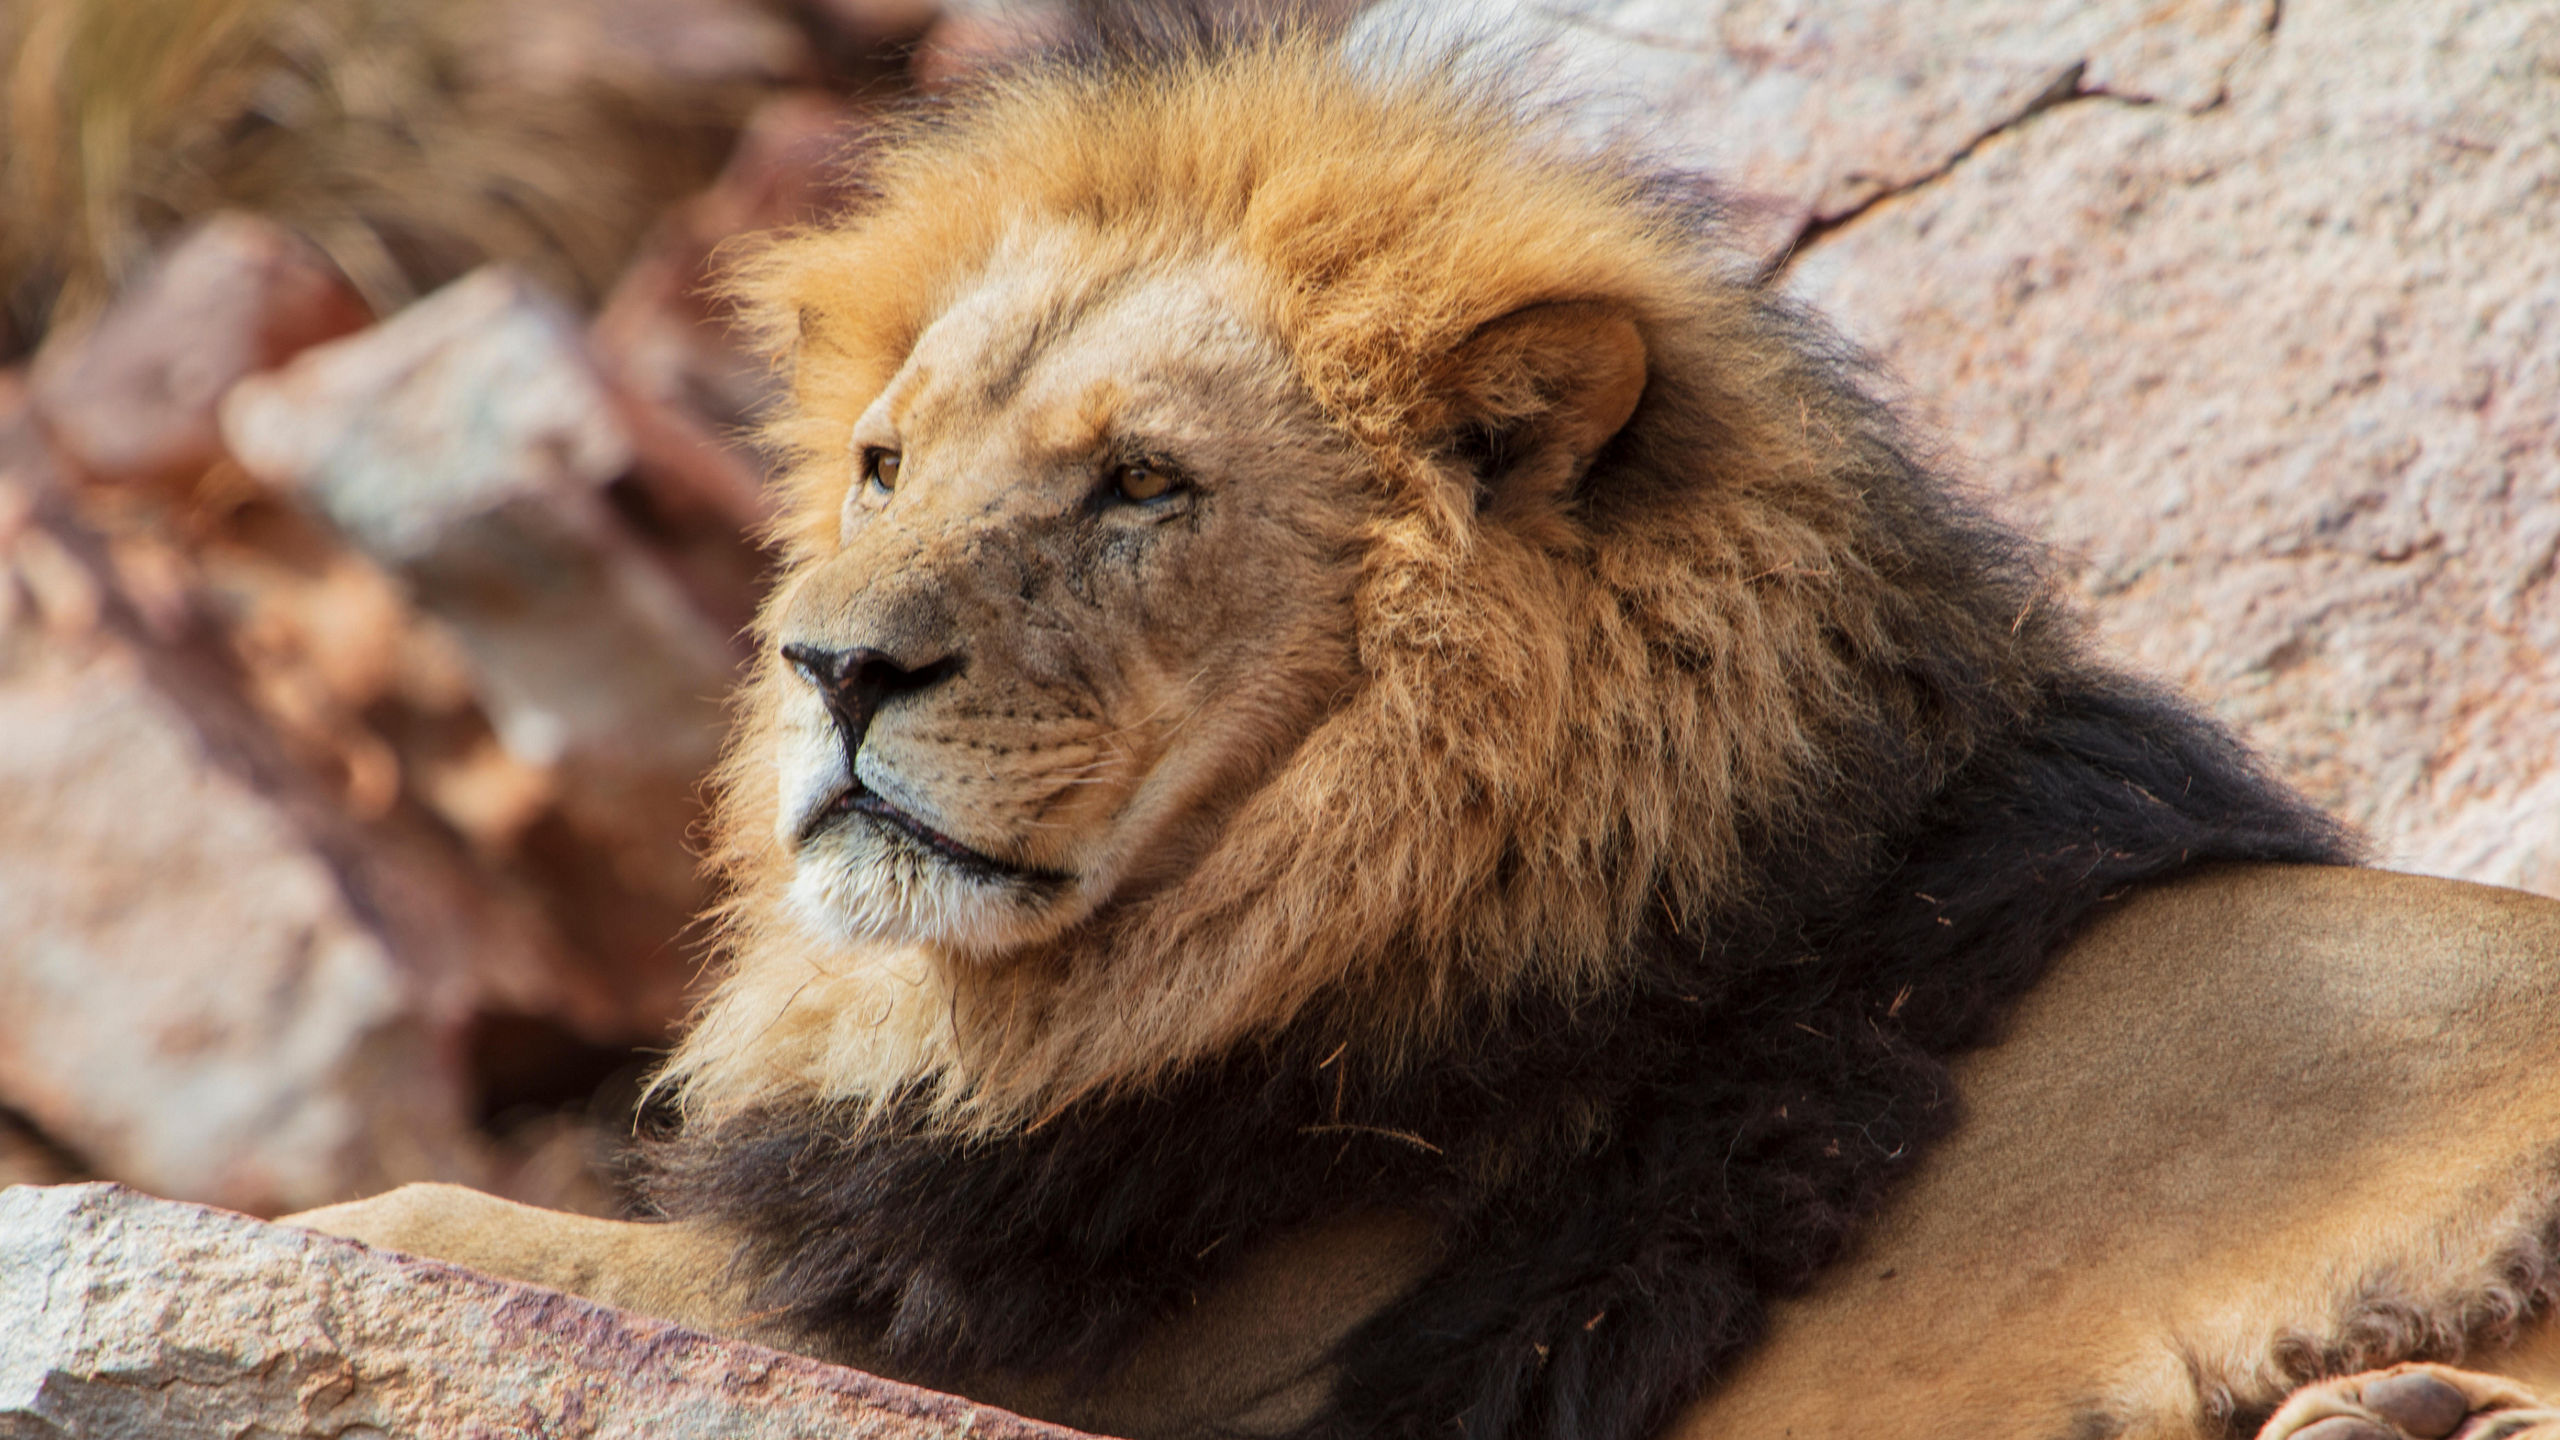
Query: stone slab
[(128, 1318)]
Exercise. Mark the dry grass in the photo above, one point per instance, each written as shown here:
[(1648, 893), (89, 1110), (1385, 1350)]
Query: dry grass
[(409, 139)]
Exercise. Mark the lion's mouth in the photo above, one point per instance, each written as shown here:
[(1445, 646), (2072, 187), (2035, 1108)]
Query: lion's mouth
[(860, 799)]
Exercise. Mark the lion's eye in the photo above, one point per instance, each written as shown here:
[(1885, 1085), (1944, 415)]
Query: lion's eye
[(1142, 483), (880, 467)]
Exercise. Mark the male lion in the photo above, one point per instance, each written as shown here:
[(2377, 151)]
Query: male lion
[(1377, 793)]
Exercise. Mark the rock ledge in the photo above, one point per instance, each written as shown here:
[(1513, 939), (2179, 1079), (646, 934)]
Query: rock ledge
[(122, 1315)]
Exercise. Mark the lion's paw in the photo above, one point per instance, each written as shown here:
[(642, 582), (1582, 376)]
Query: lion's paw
[(2414, 1402)]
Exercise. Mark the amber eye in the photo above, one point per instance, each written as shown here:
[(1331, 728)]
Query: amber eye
[(880, 467), (1142, 483)]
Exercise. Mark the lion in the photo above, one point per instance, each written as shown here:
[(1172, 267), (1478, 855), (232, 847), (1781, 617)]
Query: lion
[(1381, 794)]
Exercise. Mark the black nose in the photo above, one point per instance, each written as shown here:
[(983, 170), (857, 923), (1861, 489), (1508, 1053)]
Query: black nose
[(855, 683)]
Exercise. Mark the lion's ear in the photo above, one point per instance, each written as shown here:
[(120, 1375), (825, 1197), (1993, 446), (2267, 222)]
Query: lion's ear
[(1537, 392)]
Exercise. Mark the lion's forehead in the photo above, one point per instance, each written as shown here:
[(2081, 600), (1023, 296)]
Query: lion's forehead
[(1053, 349)]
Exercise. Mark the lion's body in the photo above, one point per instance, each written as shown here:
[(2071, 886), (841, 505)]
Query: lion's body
[(2260, 1126), (1380, 792)]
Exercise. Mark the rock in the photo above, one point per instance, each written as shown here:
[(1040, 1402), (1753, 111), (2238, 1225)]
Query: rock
[(2283, 377), (1804, 112), (875, 24), (122, 1316), (28, 1158), (691, 387), (467, 445), (663, 333), (972, 37), (565, 47), (211, 982), (474, 397), (133, 397)]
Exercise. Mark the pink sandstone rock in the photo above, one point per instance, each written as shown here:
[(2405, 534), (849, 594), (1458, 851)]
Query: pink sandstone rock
[(690, 386), (123, 1316), (1803, 112), (662, 332), (466, 444), (212, 982), (133, 397)]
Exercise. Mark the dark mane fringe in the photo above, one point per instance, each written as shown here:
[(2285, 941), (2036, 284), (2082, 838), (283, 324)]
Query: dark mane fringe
[(1627, 1182)]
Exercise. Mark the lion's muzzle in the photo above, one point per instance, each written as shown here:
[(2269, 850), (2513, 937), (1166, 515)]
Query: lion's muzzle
[(854, 684)]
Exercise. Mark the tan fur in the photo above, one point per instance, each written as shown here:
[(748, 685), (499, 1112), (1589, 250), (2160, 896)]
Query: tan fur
[(676, 1272), (1522, 773), (2256, 1128)]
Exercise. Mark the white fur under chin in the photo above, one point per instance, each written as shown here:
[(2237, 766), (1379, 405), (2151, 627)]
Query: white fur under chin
[(856, 888)]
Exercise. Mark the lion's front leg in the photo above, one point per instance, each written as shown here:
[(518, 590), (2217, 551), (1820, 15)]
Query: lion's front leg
[(2415, 1402), (675, 1271)]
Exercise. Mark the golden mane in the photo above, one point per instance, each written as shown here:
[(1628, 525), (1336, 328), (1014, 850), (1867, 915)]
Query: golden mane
[(1567, 728)]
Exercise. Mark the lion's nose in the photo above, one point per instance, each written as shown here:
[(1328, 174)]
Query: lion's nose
[(855, 683)]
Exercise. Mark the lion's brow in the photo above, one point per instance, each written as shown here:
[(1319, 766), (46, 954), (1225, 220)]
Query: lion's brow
[(1068, 308)]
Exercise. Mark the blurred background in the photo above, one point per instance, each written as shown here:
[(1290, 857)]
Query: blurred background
[(377, 526)]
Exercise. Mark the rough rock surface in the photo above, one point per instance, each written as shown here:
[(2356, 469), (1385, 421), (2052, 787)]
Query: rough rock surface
[(123, 1316), (1806, 110)]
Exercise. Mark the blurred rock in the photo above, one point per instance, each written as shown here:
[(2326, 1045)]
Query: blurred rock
[(467, 444), (972, 36), (875, 24), (2285, 378), (30, 1158), (663, 333), (462, 402), (211, 982), (561, 47), (123, 1316), (690, 387), (133, 397), (363, 688)]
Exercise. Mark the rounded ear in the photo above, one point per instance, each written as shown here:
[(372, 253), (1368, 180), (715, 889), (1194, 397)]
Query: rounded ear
[(1536, 393)]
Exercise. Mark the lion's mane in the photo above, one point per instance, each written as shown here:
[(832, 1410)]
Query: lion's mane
[(1619, 921)]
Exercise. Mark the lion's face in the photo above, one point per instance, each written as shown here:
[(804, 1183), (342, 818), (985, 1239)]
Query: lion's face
[(1090, 584), (1265, 558)]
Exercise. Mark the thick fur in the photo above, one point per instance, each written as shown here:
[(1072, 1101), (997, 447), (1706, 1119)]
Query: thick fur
[(1682, 817)]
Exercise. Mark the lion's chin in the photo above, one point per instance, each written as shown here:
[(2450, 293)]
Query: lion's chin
[(870, 881)]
